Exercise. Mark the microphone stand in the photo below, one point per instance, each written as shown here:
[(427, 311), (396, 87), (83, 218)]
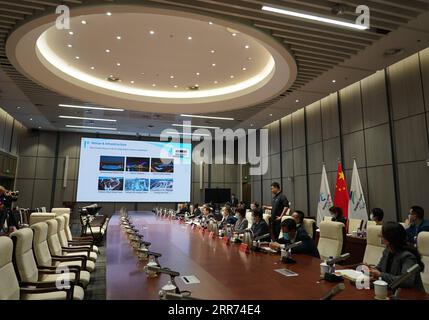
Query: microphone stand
[(395, 285)]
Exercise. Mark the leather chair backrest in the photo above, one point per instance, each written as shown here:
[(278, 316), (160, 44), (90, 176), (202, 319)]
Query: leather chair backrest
[(40, 244), (374, 247), (53, 240), (309, 226), (327, 218), (61, 211), (370, 223), (249, 217), (67, 226), (36, 217), (354, 225), (23, 255), (423, 246), (61, 231), (331, 239), (267, 217), (9, 287)]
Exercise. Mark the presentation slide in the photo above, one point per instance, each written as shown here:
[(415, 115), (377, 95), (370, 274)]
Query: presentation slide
[(134, 171)]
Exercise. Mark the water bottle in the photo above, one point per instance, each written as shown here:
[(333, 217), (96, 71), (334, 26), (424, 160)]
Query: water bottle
[(331, 267)]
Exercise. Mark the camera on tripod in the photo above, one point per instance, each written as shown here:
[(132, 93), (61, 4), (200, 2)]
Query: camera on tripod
[(8, 198)]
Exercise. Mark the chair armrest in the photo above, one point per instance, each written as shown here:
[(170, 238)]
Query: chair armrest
[(82, 242), (51, 284), (72, 246), (78, 268), (83, 259), (68, 249)]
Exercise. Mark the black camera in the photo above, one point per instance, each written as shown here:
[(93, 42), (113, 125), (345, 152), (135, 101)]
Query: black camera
[(8, 198)]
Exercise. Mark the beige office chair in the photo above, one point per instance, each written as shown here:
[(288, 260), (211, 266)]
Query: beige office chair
[(423, 246), (70, 244), (9, 285), (70, 237), (374, 247), (354, 225), (327, 218), (36, 217), (44, 257), (267, 217), (309, 226), (61, 211), (28, 272), (249, 218), (331, 239), (57, 250), (370, 223)]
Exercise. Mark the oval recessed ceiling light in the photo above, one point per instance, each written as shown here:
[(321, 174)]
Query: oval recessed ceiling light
[(189, 38), (132, 81), (333, 81), (107, 50), (234, 34), (247, 46), (77, 57), (197, 73), (210, 23), (213, 64), (69, 45), (212, 51), (296, 100), (118, 64), (271, 114), (152, 32), (92, 68), (118, 37), (231, 76), (175, 86), (31, 119), (244, 69), (153, 85), (108, 13), (249, 58), (83, 21), (71, 33), (215, 82), (171, 77)]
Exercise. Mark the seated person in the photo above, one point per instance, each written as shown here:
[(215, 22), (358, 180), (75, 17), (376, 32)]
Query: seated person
[(183, 210), (337, 215), (205, 216), (377, 216), (416, 223), (295, 235), (227, 217), (397, 258), (241, 223), (197, 212), (254, 205), (241, 204), (298, 216), (259, 226)]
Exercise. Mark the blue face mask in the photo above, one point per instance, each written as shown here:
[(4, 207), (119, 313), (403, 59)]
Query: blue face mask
[(286, 236)]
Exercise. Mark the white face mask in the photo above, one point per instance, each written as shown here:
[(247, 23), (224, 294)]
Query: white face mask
[(371, 216)]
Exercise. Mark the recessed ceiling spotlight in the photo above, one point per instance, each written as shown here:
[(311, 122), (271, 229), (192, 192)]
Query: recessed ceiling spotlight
[(333, 81), (196, 85), (18, 108), (234, 34), (231, 76), (247, 46), (271, 114), (71, 33), (108, 13), (40, 127), (107, 50), (153, 85), (296, 100), (215, 82), (176, 86), (142, 73), (77, 57), (171, 77), (152, 32), (189, 38), (210, 23), (118, 64), (212, 51), (249, 58), (83, 21), (244, 69), (251, 124), (132, 81), (69, 45), (92, 68), (111, 76), (197, 73), (118, 37), (31, 119), (213, 64)]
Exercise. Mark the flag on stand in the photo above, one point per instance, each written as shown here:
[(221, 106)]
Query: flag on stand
[(325, 198), (341, 196), (357, 204)]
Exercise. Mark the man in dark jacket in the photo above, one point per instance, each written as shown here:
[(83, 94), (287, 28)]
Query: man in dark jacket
[(259, 226), (295, 235)]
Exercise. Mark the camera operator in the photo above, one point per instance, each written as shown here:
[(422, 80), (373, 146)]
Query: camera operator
[(6, 200)]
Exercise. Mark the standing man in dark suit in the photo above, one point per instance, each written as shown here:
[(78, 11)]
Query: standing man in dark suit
[(279, 207), (234, 201)]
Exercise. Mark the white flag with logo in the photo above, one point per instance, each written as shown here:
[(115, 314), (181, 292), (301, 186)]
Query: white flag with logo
[(325, 199), (357, 204)]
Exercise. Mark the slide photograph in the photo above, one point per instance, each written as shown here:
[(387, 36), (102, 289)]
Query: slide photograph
[(162, 165), (108, 163)]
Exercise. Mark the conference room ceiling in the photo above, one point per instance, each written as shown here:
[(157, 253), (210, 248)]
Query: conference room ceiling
[(328, 57)]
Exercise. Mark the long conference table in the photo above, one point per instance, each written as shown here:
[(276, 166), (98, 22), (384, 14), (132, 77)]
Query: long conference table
[(223, 270)]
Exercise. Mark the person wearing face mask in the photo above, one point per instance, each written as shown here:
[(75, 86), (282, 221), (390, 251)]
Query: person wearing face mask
[(227, 218), (416, 223), (254, 205), (377, 216), (298, 216), (337, 215), (292, 234), (397, 258), (241, 223)]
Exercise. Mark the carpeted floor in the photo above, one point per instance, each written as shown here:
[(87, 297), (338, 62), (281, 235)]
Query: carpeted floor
[(96, 289)]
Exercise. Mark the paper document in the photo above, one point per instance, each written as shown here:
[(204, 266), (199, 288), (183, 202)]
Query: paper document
[(286, 272)]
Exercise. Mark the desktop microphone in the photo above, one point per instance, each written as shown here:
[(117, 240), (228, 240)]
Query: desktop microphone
[(155, 254), (147, 244), (410, 272), (293, 245), (175, 296), (334, 291), (343, 257), (163, 270), (262, 237)]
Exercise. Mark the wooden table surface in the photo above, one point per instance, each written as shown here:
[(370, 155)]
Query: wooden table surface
[(223, 270)]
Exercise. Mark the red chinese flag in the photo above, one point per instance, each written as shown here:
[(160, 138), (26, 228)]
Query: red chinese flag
[(341, 197)]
